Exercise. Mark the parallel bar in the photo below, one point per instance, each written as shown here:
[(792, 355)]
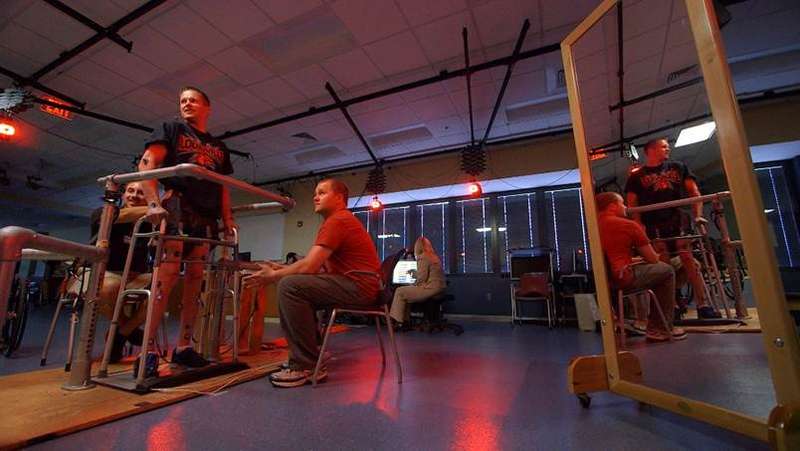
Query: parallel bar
[(257, 207), (35, 254), (127, 45), (444, 75), (657, 93), (192, 170), (469, 86), (340, 105), (514, 58), (680, 202), (111, 30), (25, 81)]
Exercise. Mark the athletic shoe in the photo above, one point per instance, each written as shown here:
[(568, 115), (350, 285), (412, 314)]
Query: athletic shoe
[(325, 358), (288, 378), (188, 357), (657, 336), (150, 366), (678, 334), (708, 312), (632, 331)]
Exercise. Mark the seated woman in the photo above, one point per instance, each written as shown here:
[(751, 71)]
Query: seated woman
[(430, 281), (133, 208)]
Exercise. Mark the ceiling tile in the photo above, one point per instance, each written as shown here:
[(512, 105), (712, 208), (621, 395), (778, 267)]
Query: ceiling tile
[(352, 69), (202, 75), (277, 92), (441, 40), (245, 102), (28, 43), (101, 78), (54, 25), (238, 19), (501, 21), (159, 49), (191, 31), (130, 65), (565, 12), (17, 62), (370, 20), (240, 66), (396, 54), (144, 97), (419, 12), (311, 81), (78, 89), (433, 107), (282, 10)]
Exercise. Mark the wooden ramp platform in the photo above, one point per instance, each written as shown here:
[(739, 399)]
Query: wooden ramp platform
[(749, 325), (38, 409)]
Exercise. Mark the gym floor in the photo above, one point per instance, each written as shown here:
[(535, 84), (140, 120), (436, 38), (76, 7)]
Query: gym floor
[(494, 387)]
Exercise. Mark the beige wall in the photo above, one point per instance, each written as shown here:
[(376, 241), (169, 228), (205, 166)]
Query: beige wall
[(542, 155)]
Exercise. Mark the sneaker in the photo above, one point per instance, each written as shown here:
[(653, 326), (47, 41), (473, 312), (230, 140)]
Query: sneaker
[(679, 334), (288, 378), (188, 357), (632, 331), (150, 366), (657, 336), (708, 312)]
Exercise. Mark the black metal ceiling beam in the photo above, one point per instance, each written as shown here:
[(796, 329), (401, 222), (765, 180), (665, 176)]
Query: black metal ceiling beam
[(99, 36), (127, 45), (22, 80), (657, 93), (442, 76), (350, 121), (110, 119), (510, 68), (469, 86)]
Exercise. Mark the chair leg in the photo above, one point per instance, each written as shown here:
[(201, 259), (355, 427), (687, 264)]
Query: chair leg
[(322, 349), (51, 332), (513, 306), (73, 323), (549, 315), (380, 339), (394, 347), (654, 300)]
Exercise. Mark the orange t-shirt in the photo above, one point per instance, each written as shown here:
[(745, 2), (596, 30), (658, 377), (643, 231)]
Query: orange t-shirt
[(352, 250), (619, 237)]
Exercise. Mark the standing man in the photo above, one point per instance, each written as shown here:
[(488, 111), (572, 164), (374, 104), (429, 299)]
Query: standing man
[(192, 207), (619, 237), (663, 180), (346, 251)]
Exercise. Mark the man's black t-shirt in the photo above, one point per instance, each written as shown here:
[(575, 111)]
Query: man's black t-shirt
[(120, 241), (186, 145), (658, 184)]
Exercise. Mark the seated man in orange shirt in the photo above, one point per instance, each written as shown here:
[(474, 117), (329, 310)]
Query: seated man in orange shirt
[(342, 245), (619, 237)]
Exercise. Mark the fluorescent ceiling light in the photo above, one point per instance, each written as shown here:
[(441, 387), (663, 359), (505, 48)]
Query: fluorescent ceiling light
[(388, 235), (769, 210), (695, 134), (483, 229)]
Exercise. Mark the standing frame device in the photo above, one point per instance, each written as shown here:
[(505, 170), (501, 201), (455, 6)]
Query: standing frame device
[(619, 372)]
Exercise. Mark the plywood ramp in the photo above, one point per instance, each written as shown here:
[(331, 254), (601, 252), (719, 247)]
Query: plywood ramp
[(36, 408)]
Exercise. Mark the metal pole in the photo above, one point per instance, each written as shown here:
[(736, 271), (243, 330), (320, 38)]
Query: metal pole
[(680, 202), (80, 377)]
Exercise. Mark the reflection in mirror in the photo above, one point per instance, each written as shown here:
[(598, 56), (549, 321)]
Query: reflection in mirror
[(680, 288)]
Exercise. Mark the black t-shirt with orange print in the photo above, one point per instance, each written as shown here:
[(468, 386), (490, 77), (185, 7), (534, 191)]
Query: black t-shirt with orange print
[(187, 145)]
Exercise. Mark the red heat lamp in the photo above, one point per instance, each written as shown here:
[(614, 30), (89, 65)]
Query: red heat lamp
[(376, 204), (474, 189)]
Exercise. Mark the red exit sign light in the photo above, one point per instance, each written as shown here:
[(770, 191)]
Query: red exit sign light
[(55, 111)]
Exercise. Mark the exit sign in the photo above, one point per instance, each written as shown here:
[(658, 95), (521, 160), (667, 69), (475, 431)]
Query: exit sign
[(597, 156), (55, 111)]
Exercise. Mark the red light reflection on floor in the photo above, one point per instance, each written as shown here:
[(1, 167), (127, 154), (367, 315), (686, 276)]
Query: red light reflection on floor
[(168, 435), (476, 433)]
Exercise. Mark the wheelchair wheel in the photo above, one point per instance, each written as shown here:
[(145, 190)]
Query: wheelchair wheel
[(16, 318)]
